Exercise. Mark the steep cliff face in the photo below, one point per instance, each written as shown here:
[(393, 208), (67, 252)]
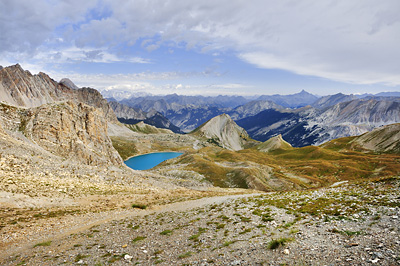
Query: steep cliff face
[(223, 131), (71, 130), (20, 88)]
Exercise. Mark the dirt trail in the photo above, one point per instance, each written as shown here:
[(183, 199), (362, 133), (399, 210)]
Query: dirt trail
[(86, 221)]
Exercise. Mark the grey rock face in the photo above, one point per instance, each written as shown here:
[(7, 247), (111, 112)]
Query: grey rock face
[(225, 132)]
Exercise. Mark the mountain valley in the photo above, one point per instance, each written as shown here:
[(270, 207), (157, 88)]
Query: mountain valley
[(264, 180)]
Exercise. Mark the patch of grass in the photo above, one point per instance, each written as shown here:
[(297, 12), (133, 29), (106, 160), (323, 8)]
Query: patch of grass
[(139, 206), (227, 243), (43, 244), (245, 219), (124, 147), (220, 226), (79, 257), (185, 255), (247, 230), (195, 237), (115, 258), (276, 243), (138, 238), (166, 232)]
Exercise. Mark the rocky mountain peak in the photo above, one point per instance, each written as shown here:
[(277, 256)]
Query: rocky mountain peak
[(223, 131), (68, 83), (20, 88)]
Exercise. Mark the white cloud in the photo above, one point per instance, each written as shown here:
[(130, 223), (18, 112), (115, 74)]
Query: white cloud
[(154, 83), (351, 41)]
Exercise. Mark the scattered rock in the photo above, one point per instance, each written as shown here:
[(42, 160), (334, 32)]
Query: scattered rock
[(128, 257), (286, 251)]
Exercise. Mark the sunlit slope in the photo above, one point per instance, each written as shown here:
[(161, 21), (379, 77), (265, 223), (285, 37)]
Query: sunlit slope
[(286, 169)]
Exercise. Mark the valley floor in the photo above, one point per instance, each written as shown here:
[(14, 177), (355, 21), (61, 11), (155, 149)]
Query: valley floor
[(348, 224)]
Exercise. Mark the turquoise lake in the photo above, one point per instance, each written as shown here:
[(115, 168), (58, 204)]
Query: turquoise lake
[(148, 161)]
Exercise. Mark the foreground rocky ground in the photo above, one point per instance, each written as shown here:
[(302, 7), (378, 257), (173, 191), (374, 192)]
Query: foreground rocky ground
[(348, 224)]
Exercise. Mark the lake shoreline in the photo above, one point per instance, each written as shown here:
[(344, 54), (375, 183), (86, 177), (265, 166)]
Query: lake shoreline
[(150, 160)]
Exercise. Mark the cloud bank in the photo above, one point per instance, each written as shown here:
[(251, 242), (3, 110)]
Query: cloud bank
[(349, 41)]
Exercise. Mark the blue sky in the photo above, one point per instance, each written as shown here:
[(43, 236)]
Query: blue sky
[(208, 47)]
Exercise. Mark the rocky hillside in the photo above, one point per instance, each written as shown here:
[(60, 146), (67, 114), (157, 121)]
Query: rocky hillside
[(385, 139), (142, 127), (20, 88), (382, 139), (74, 131), (273, 144), (224, 132)]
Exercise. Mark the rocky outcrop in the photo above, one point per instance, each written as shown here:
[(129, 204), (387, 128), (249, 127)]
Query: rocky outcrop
[(273, 144), (142, 127), (71, 130), (224, 132), (20, 88), (68, 83)]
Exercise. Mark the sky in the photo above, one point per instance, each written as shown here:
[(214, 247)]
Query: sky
[(208, 47)]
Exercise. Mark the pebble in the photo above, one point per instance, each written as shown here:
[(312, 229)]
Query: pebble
[(286, 251), (374, 260), (128, 257)]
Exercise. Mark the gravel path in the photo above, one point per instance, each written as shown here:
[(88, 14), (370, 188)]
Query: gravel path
[(76, 224), (352, 224)]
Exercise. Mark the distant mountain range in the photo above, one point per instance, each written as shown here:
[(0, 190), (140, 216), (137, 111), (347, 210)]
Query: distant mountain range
[(302, 118)]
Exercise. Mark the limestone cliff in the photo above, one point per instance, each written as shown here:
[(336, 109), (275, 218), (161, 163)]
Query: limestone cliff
[(71, 130), (224, 132)]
